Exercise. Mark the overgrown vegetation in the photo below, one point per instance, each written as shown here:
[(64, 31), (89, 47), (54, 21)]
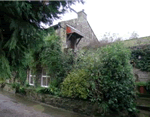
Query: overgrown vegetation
[(105, 78), (141, 58), (50, 56), (141, 83), (148, 87), (42, 90), (58, 64), (76, 84), (21, 31)]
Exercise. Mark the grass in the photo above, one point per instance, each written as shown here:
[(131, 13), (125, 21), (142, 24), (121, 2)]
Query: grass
[(137, 41)]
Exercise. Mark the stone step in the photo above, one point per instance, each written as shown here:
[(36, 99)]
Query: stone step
[(144, 95), (142, 101), (143, 113), (143, 104), (146, 108)]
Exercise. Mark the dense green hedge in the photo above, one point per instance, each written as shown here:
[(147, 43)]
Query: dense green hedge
[(104, 76), (117, 78), (76, 84)]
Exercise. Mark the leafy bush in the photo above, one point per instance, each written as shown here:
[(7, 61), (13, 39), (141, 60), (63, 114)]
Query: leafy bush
[(42, 90), (54, 90), (27, 84), (22, 90), (148, 86), (15, 85), (116, 78), (2, 82), (140, 83), (76, 84), (4, 67), (141, 58), (105, 77)]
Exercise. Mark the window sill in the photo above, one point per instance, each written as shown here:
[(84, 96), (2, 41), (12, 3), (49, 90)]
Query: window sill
[(44, 86), (31, 84)]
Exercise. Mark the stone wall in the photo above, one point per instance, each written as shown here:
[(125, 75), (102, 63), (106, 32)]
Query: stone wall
[(84, 107), (8, 88), (75, 105), (141, 76), (80, 106)]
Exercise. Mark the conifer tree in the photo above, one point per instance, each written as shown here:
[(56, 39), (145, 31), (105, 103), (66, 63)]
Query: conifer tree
[(21, 30)]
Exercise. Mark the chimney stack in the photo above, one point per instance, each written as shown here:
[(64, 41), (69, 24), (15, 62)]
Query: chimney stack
[(82, 15)]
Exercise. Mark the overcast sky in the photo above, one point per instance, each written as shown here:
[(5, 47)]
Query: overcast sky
[(115, 16)]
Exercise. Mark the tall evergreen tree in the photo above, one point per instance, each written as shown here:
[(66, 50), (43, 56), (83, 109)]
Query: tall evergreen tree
[(20, 29)]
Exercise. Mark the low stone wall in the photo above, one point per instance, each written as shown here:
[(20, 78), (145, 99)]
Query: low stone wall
[(80, 106), (8, 88)]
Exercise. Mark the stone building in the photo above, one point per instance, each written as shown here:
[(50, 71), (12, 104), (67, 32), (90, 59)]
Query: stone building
[(74, 34)]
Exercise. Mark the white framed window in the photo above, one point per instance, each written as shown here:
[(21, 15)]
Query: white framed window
[(31, 78), (45, 79)]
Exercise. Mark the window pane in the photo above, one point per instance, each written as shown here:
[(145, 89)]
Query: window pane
[(31, 80), (48, 81), (44, 81)]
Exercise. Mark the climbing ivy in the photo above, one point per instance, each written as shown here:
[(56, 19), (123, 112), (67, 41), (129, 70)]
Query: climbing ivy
[(140, 58)]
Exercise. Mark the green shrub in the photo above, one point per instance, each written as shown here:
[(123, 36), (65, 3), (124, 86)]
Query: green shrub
[(105, 77), (27, 84), (42, 90), (2, 83), (54, 90), (117, 78), (22, 90), (141, 58), (76, 84), (2, 80), (15, 85), (140, 83), (148, 87)]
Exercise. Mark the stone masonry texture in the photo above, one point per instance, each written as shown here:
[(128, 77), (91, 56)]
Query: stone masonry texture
[(80, 24)]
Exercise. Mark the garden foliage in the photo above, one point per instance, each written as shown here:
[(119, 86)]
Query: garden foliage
[(21, 31), (42, 90), (53, 58), (76, 84), (105, 77), (50, 56), (141, 58), (148, 87)]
